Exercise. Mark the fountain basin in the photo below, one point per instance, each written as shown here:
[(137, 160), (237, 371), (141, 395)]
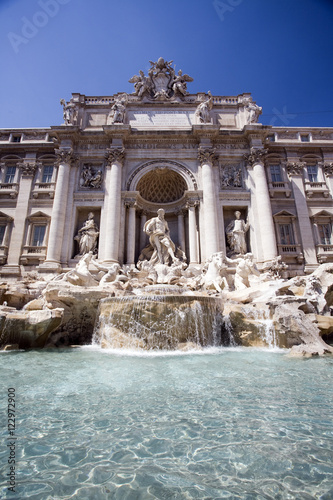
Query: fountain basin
[(159, 321)]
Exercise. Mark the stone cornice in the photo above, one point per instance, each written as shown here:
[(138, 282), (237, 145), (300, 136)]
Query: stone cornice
[(255, 156), (114, 155)]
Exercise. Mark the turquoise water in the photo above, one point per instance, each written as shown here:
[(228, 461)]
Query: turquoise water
[(225, 423)]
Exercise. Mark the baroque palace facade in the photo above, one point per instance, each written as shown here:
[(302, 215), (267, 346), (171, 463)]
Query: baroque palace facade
[(199, 157)]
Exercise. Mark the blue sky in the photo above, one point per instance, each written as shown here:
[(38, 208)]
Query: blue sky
[(279, 50)]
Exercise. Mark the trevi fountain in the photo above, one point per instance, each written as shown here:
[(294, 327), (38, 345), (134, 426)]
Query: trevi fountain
[(190, 359)]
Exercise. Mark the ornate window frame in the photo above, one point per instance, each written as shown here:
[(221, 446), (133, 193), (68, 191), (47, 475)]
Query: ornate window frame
[(9, 189), (281, 187), (45, 189), (324, 251), (293, 251), (318, 187), (31, 253)]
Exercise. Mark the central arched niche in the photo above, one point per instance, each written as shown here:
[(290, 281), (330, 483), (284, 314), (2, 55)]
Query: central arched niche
[(161, 185)]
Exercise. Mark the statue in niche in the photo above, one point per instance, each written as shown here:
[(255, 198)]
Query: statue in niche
[(159, 237), (179, 83), (204, 108), (253, 111), (91, 178), (70, 112), (117, 112), (236, 232), (87, 236)]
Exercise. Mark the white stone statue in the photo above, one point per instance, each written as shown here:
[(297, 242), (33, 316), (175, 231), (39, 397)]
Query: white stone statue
[(87, 235), (142, 83), (203, 110), (252, 109), (245, 268), (117, 112), (159, 237), (215, 276), (70, 112), (179, 83), (80, 276), (162, 82), (236, 231), (112, 273)]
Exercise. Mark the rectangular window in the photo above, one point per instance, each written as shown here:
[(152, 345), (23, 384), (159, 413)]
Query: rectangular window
[(47, 173), (287, 234), (10, 175), (38, 236), (276, 173), (2, 233), (312, 173), (325, 233), (305, 138), (16, 138)]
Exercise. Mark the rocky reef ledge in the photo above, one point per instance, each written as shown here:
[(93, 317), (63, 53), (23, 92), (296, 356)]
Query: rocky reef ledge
[(289, 313)]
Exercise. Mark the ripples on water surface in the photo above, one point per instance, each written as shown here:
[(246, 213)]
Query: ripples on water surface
[(234, 423)]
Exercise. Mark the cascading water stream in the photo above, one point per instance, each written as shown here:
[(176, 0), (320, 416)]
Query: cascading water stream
[(265, 325), (155, 321)]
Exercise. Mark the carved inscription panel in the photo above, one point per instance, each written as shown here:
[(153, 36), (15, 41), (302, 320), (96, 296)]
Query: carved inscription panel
[(160, 118)]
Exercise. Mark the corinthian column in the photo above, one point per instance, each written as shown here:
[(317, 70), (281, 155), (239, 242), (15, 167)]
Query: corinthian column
[(131, 232), (64, 159), (260, 195), (192, 232), (295, 172), (181, 229), (206, 157), (143, 236), (115, 158)]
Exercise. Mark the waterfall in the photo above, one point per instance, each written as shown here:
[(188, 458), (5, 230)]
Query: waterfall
[(156, 321), (228, 338), (265, 325)]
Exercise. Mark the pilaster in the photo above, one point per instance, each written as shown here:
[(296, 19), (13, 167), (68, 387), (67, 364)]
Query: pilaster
[(295, 173), (181, 229), (131, 206), (193, 232), (27, 169)]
